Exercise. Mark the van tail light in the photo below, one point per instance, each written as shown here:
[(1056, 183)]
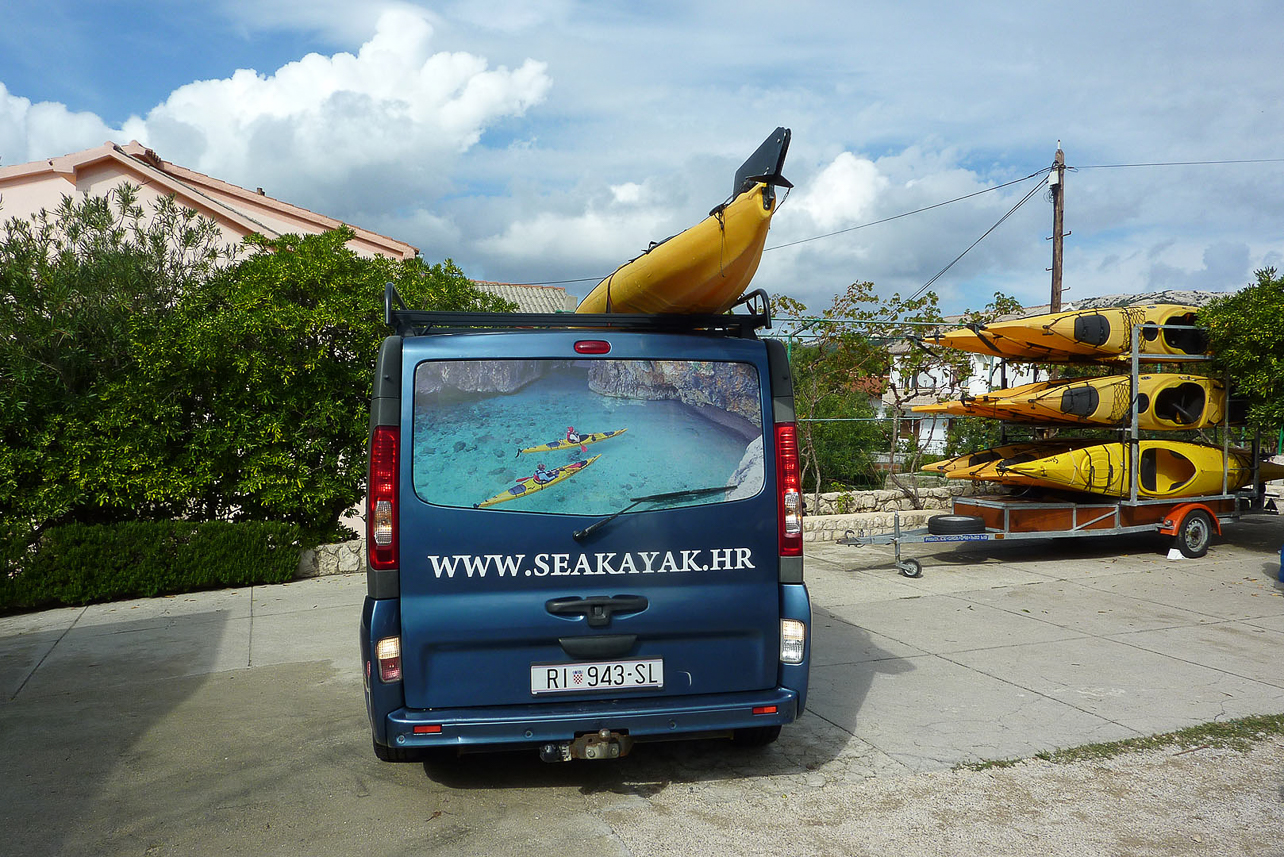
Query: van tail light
[(381, 499), (388, 654), (793, 641), (789, 484)]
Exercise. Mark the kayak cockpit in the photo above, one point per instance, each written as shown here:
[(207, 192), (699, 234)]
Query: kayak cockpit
[(1163, 471)]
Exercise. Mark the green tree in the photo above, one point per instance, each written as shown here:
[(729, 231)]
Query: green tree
[(145, 374), (867, 344), (258, 385), (1246, 335), (74, 283)]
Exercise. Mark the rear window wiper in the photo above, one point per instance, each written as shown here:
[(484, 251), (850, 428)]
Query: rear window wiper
[(580, 535)]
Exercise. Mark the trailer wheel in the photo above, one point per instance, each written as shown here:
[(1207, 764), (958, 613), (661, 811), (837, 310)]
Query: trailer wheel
[(1195, 534), (910, 567), (955, 525)]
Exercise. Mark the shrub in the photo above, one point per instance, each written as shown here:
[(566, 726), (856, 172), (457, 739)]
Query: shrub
[(79, 564)]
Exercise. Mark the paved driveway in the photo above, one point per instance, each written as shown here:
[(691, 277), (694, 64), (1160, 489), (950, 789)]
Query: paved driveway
[(231, 722)]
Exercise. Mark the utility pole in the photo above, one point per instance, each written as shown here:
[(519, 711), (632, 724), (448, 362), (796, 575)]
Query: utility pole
[(1056, 185)]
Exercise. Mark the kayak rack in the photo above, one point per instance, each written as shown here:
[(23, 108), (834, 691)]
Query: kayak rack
[(410, 322), (1192, 521)]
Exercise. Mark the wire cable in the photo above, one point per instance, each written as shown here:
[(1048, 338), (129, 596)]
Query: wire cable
[(1043, 171), (941, 272), (1036, 174), (1179, 164)]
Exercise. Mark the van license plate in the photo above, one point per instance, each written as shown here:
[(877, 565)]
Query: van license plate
[(604, 675)]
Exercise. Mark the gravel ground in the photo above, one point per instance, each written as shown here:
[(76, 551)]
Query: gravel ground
[(1162, 802)]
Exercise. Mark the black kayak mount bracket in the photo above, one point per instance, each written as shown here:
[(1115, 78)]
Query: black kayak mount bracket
[(764, 166)]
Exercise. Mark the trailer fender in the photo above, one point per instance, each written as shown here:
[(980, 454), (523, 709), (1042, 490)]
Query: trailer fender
[(1178, 514)]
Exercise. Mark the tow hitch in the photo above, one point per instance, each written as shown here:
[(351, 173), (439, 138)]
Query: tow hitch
[(603, 744)]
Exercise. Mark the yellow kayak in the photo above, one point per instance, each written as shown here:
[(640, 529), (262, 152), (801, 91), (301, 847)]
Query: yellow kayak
[(530, 484), (1081, 335), (1165, 402), (585, 439), (980, 466), (706, 268), (1168, 469), (984, 341), (987, 404)]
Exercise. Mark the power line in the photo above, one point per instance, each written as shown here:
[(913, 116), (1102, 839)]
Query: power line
[(1180, 164), (1011, 211), (1041, 172), (908, 213)]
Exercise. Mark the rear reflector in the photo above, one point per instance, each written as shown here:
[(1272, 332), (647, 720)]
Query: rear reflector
[(765, 709), (592, 346), (433, 729), (381, 502), (789, 485)]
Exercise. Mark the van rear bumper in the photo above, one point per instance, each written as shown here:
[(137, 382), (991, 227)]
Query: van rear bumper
[(643, 719)]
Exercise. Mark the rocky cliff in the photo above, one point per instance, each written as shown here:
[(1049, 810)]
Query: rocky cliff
[(726, 393), (477, 376)]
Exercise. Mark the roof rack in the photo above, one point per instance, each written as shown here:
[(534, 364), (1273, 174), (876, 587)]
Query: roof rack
[(411, 322)]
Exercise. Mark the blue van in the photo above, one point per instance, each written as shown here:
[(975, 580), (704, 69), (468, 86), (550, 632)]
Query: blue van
[(584, 532)]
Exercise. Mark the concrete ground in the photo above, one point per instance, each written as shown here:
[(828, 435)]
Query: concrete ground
[(232, 722)]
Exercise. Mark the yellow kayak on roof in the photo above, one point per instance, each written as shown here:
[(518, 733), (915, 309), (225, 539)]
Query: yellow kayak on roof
[(706, 268), (1167, 469), (1083, 335)]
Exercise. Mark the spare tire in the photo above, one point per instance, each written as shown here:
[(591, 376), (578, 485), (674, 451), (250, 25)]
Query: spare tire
[(955, 525)]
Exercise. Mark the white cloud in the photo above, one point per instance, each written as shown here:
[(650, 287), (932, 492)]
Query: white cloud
[(596, 239), (30, 132), (313, 123), (439, 130), (627, 193), (844, 193)]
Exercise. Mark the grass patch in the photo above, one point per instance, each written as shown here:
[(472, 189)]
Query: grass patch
[(1240, 734)]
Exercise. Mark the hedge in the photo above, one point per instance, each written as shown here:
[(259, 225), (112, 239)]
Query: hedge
[(79, 564)]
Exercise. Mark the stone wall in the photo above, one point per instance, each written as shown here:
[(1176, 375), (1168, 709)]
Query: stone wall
[(929, 497), (868, 512), (828, 528), (341, 558)]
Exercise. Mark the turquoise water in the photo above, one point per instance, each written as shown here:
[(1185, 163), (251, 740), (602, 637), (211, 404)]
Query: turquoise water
[(465, 447)]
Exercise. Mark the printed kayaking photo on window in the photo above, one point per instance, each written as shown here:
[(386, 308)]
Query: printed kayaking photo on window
[(585, 437)]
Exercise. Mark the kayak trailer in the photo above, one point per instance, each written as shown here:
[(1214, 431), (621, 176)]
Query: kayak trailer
[(1191, 521), (1047, 514)]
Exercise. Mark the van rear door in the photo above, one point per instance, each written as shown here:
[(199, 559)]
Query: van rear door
[(587, 516)]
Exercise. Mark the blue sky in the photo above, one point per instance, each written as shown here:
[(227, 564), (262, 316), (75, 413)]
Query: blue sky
[(553, 139)]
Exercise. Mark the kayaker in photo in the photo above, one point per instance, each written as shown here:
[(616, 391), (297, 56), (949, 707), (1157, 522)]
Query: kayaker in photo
[(541, 475), (572, 436)]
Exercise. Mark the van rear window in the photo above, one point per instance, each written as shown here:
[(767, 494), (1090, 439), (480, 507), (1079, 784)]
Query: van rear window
[(585, 437)]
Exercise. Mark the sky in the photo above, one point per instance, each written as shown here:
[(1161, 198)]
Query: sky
[(552, 140)]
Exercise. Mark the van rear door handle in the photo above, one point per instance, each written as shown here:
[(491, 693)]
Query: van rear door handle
[(598, 608)]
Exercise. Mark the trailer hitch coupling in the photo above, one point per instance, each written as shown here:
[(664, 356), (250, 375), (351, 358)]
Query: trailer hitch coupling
[(603, 744)]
